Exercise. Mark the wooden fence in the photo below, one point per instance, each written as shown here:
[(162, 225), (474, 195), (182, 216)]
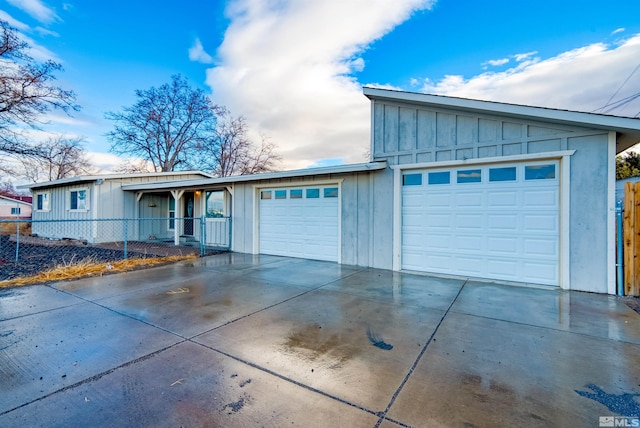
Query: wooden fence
[(631, 239)]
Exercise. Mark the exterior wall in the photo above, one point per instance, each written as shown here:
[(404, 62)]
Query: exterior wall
[(105, 200), (359, 217), (7, 204), (405, 134)]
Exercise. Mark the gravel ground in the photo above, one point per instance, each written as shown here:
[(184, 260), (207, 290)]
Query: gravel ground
[(37, 258)]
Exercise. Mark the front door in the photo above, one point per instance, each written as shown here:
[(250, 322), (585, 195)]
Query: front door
[(188, 213)]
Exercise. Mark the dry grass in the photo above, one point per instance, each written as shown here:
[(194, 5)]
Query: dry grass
[(89, 267), (7, 228)]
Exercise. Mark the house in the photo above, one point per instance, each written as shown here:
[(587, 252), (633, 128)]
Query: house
[(15, 207), (454, 186), (65, 208)]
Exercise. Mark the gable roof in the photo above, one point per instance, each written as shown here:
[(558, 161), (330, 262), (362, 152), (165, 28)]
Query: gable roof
[(17, 201), (224, 181), (89, 178), (628, 128)]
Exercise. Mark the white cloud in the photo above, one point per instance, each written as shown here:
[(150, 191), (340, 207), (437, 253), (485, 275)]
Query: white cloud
[(198, 54), (581, 79), (37, 9), (618, 30), (285, 66), (4, 16), (495, 62), (524, 56)]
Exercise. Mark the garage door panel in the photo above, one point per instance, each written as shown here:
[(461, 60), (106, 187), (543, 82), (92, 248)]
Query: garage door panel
[(541, 199), (507, 229), (468, 199), (502, 245), (468, 221), (541, 222), (301, 227)]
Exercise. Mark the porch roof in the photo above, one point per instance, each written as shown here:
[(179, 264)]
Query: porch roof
[(225, 181)]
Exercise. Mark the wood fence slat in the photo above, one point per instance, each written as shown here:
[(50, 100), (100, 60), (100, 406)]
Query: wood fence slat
[(631, 238)]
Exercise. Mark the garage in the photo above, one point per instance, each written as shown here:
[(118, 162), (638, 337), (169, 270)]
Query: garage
[(498, 221), (300, 222)]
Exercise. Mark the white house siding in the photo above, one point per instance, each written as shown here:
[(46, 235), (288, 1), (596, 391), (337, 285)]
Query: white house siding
[(357, 216), (405, 133), (6, 205), (105, 200)]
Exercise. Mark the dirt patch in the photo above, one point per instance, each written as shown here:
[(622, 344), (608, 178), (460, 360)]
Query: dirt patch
[(632, 302)]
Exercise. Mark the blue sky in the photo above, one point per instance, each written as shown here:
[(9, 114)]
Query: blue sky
[(295, 69)]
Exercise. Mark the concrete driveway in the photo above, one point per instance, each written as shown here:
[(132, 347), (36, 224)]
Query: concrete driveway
[(237, 340)]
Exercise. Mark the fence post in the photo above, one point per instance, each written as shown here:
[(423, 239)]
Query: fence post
[(126, 234), (230, 235), (203, 234), (17, 240), (620, 251)]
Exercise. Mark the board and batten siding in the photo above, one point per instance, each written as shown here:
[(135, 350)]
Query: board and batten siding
[(405, 133), (361, 223)]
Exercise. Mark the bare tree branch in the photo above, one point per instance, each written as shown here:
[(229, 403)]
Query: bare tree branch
[(164, 126)]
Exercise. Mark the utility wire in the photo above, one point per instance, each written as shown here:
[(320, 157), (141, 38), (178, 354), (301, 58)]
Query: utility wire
[(608, 103)]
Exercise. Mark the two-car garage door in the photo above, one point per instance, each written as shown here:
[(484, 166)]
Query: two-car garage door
[(300, 222), (497, 222)]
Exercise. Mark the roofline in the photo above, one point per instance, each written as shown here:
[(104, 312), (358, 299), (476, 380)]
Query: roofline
[(222, 181), (597, 120), (15, 200), (86, 178)]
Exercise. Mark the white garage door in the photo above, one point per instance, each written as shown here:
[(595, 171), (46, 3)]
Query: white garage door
[(300, 222), (496, 222)]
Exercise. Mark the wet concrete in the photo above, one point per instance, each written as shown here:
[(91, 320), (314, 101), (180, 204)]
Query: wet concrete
[(238, 340)]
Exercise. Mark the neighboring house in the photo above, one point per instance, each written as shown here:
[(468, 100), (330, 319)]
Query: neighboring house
[(620, 187), (62, 207), (455, 187), (15, 207)]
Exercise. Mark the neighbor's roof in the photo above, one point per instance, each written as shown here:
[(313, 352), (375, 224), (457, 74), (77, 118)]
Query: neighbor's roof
[(628, 128), (18, 201), (224, 181), (89, 178)]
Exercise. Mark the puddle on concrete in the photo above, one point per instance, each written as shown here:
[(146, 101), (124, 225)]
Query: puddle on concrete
[(313, 342)]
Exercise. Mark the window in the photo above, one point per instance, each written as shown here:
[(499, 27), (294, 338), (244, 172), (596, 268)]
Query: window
[(265, 194), (539, 172), (78, 200), (281, 194), (412, 180), (470, 176), (295, 193), (502, 174), (439, 177), (172, 212), (42, 202), (330, 192), (215, 204), (15, 211), (313, 193)]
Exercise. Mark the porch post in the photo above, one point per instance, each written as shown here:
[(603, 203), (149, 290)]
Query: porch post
[(177, 194)]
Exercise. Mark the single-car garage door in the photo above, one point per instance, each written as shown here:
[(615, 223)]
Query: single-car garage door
[(498, 221), (300, 222)]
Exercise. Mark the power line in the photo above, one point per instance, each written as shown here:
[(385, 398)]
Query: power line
[(608, 103)]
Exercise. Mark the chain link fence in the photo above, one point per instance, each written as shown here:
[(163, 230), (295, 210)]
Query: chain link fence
[(28, 247)]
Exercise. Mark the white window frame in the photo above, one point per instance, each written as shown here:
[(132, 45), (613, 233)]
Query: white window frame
[(169, 211), (77, 192), (42, 198)]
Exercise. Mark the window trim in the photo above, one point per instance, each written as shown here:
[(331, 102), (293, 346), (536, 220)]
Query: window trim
[(77, 191), (40, 199), (170, 217)]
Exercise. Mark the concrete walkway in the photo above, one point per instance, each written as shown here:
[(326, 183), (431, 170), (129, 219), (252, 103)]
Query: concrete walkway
[(236, 340)]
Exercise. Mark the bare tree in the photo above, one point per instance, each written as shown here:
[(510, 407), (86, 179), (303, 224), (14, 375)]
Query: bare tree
[(26, 92), (164, 126), (134, 166), (58, 158), (231, 152)]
